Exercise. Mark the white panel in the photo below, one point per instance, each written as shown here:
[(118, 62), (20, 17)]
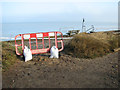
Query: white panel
[(39, 35), (51, 34), (26, 36)]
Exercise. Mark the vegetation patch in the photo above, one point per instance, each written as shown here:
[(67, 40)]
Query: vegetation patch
[(8, 55), (91, 45)]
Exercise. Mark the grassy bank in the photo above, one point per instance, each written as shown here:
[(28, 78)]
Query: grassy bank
[(92, 45), (8, 55)]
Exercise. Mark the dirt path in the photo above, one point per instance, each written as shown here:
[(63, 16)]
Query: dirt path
[(65, 72)]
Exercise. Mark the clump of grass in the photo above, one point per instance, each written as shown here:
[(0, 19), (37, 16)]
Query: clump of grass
[(114, 42), (8, 55), (87, 46)]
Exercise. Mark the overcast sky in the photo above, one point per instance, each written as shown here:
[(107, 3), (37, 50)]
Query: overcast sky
[(59, 10)]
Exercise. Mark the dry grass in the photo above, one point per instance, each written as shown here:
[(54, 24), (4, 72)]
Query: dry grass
[(92, 45)]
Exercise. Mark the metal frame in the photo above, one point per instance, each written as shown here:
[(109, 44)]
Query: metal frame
[(38, 35)]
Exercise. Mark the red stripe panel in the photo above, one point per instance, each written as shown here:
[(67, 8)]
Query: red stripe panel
[(45, 34), (33, 35)]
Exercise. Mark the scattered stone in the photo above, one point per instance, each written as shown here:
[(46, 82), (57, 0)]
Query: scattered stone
[(114, 82), (35, 63), (111, 62), (116, 65), (74, 62), (13, 80), (28, 74), (112, 66)]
